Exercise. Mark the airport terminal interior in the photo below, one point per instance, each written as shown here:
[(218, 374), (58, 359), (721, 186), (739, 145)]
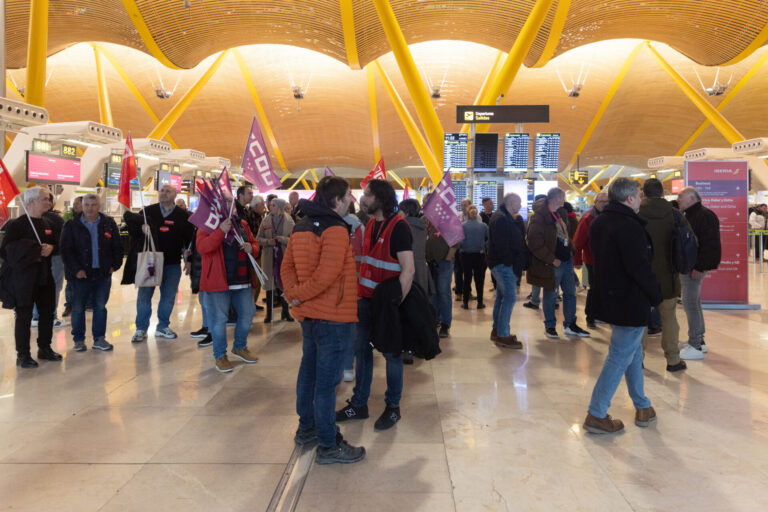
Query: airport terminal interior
[(605, 90)]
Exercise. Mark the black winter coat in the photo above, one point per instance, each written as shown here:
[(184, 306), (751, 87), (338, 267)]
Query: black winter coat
[(22, 268), (398, 327), (506, 244), (625, 286), (76, 252), (706, 227), (196, 269)]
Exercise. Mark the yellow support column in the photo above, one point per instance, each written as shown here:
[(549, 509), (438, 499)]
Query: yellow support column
[(555, 32), (146, 36), (728, 131), (374, 112), (105, 111), (421, 100), (434, 169), (604, 105), (37, 52), (178, 109), (570, 185), (348, 25), (259, 108), (595, 177), (489, 78)]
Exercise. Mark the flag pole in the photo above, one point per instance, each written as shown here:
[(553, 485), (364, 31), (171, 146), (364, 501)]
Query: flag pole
[(30, 220)]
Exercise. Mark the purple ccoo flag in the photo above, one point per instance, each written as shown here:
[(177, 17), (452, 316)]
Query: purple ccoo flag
[(224, 184), (328, 171), (207, 217), (256, 165), (440, 209)]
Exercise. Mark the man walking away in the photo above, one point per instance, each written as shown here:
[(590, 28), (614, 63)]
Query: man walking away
[(625, 289), (440, 260), (473, 254), (506, 256), (584, 251), (660, 226), (92, 251), (320, 283), (706, 227)]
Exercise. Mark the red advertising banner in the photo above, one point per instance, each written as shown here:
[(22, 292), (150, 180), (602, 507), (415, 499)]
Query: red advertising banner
[(723, 187)]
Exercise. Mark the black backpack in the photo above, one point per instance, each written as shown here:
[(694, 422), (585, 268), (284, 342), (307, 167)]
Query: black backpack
[(684, 248)]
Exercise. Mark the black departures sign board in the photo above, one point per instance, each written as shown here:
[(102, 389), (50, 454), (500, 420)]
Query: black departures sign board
[(486, 152)]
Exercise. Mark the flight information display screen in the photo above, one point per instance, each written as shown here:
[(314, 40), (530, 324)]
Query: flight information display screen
[(484, 189), (455, 152), (486, 152), (112, 176), (516, 152), (547, 152), (460, 189)]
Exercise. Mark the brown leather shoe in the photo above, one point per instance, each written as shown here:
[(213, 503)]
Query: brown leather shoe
[(605, 425), (508, 342), (494, 334), (643, 417)]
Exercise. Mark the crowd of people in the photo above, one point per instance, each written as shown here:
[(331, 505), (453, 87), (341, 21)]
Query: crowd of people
[(376, 277)]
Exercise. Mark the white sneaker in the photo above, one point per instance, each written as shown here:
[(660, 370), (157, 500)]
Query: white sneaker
[(681, 346), (34, 322), (349, 375), (139, 336), (689, 353), (57, 324)]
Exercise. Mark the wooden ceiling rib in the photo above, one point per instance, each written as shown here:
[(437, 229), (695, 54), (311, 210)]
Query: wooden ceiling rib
[(709, 32)]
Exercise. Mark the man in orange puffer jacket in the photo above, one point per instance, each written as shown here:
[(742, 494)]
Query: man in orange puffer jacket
[(320, 282)]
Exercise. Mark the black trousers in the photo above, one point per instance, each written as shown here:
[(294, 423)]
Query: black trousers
[(589, 306), (473, 264), (758, 248), (44, 298), (458, 273)]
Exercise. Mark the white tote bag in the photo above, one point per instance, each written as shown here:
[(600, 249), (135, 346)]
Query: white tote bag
[(149, 265)]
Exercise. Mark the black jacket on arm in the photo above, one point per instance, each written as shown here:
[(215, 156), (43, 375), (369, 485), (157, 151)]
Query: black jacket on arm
[(706, 227), (76, 249), (625, 286), (506, 245)]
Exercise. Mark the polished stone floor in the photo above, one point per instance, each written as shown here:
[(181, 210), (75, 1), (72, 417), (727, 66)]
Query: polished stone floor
[(153, 426)]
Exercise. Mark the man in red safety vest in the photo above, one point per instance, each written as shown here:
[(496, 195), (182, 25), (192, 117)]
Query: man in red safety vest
[(387, 253)]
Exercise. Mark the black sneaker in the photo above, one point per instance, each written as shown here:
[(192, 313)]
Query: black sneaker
[(67, 311), (530, 305), (676, 367), (202, 333), (591, 324), (205, 342), (575, 330), (443, 332), (350, 412), (388, 418), (407, 357), (305, 437), (258, 308), (48, 354), (26, 361), (342, 453), (552, 333)]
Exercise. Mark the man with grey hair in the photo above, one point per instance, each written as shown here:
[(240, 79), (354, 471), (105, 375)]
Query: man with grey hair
[(706, 227), (26, 276), (625, 288), (92, 251), (552, 262)]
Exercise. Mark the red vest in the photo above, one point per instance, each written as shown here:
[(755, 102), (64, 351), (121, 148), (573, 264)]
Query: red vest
[(378, 265)]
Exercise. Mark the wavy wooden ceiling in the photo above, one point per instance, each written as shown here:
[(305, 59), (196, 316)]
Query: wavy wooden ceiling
[(708, 32)]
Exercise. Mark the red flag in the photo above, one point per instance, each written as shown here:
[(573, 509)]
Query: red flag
[(226, 186), (127, 173), (406, 192), (8, 190), (377, 173)]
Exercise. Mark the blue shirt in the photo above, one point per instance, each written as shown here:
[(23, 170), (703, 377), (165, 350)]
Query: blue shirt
[(475, 235), (93, 229)]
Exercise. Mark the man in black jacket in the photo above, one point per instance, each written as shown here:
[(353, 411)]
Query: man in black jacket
[(706, 227), (91, 250), (625, 289), (172, 232), (26, 276), (505, 256)]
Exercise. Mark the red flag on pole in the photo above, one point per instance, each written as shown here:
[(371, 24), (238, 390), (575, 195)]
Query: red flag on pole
[(406, 192), (8, 190), (127, 173), (377, 173)]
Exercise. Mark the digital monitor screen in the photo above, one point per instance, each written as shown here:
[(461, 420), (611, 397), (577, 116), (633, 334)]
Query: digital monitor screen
[(486, 152), (519, 187), (484, 189), (168, 178), (547, 153), (112, 176), (460, 189), (193, 202), (455, 152), (516, 152), (542, 187), (677, 185), (176, 181), (52, 169)]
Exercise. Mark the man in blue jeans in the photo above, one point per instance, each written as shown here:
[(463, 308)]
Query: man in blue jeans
[(91, 251), (320, 282), (172, 233), (440, 258), (506, 257), (551, 264), (625, 288)]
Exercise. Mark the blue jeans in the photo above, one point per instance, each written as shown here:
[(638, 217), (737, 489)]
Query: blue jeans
[(320, 372), (564, 278), (625, 357), (349, 351), (442, 301), (535, 295), (203, 309), (168, 288), (655, 321), (217, 306), (506, 294), (97, 291), (364, 368)]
